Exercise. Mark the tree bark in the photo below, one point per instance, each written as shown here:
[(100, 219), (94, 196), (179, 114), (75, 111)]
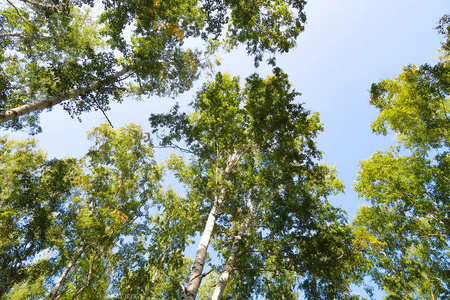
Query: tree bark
[(190, 292), (46, 103), (225, 275), (69, 266)]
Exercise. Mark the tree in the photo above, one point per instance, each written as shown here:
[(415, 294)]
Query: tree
[(31, 190), (259, 191), (72, 227), (406, 233), (57, 52)]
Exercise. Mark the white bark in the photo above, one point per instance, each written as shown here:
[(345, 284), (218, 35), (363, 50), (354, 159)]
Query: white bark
[(225, 275), (190, 292), (69, 266), (46, 103)]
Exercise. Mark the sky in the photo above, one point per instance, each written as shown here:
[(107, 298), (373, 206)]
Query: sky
[(347, 45)]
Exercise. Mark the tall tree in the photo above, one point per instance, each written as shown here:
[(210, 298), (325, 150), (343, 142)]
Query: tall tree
[(261, 194), (84, 227), (406, 233), (59, 52), (32, 189)]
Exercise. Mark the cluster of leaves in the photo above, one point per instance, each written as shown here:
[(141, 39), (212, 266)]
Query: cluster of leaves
[(407, 230)]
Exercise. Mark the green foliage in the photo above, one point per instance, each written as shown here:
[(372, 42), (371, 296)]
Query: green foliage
[(405, 235), (255, 147), (61, 50), (32, 192), (95, 214), (416, 106)]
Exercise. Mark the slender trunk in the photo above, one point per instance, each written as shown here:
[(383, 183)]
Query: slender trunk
[(190, 292), (46, 103), (89, 277), (88, 282), (197, 269), (225, 275), (66, 271)]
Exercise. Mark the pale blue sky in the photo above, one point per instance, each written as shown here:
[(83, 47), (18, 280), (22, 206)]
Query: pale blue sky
[(347, 45)]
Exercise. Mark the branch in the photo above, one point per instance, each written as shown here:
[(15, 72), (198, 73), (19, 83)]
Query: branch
[(46, 103), (183, 288), (255, 270), (24, 35), (46, 5), (207, 272), (103, 112), (88, 281), (66, 271), (18, 12)]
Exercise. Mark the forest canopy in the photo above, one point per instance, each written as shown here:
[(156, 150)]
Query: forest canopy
[(61, 52), (252, 194)]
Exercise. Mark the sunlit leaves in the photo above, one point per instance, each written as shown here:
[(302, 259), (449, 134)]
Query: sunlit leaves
[(405, 235), (91, 214), (56, 48), (295, 240)]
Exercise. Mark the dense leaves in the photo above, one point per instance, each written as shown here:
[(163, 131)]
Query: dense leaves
[(64, 51), (32, 191), (84, 227), (254, 170), (406, 234)]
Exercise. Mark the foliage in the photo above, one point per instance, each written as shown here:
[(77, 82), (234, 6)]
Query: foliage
[(32, 191), (254, 148), (88, 224), (406, 234), (54, 51)]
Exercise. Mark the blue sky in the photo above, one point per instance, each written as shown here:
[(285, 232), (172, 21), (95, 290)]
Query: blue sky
[(347, 45)]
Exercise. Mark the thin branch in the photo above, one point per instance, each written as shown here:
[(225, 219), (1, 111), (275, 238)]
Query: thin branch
[(88, 281), (255, 270), (24, 35), (103, 112), (18, 12), (207, 272), (46, 5)]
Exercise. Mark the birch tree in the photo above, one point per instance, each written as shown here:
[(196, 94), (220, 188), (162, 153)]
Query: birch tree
[(76, 228), (405, 234), (261, 194), (61, 52)]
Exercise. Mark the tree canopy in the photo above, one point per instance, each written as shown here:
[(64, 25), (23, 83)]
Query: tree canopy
[(261, 193), (61, 52), (255, 195), (406, 232), (80, 226)]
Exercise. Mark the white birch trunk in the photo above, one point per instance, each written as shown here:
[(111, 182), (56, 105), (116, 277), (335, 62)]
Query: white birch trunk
[(190, 292), (225, 275), (46, 103), (69, 266)]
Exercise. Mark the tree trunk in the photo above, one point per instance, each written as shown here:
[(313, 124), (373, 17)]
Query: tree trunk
[(69, 266), (190, 292), (41, 104), (225, 275)]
